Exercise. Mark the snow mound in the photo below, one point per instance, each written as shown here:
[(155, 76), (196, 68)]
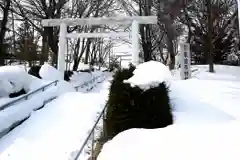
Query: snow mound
[(176, 142), (24, 109), (79, 77), (50, 73), (149, 74), (5, 88), (13, 79)]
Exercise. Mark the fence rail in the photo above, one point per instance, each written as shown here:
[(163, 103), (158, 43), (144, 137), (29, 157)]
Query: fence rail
[(91, 135), (26, 96), (43, 88), (85, 84)]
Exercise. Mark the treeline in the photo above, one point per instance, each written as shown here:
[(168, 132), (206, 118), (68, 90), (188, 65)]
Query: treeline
[(210, 26)]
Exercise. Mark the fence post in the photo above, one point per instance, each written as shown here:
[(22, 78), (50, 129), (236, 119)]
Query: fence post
[(93, 144)]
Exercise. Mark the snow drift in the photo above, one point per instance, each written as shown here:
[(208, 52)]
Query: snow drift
[(185, 142)]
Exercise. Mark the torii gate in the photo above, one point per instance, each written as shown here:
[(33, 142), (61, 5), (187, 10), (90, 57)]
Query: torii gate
[(63, 35)]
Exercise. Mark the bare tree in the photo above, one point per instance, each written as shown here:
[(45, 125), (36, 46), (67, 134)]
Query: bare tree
[(84, 9), (168, 12), (156, 38), (34, 11), (149, 38), (211, 46), (26, 44)]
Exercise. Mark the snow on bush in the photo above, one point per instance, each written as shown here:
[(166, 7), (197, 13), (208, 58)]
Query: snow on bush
[(149, 74), (50, 73), (185, 142), (13, 79)]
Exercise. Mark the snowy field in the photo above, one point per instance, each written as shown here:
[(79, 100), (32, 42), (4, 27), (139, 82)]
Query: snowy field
[(206, 122)]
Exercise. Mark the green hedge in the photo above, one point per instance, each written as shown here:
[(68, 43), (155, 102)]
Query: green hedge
[(134, 108)]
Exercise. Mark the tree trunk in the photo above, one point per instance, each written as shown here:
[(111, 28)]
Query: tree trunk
[(145, 30), (54, 60), (87, 53), (76, 58), (45, 49), (210, 30), (171, 62), (146, 43), (3, 30), (53, 43)]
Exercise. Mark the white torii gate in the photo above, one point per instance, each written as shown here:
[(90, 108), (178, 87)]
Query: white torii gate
[(63, 35)]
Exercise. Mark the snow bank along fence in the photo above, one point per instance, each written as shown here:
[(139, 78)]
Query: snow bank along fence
[(43, 88), (88, 83), (18, 122), (26, 96), (92, 136)]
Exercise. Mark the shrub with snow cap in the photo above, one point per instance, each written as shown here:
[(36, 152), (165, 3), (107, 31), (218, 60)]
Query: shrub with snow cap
[(50, 73), (13, 79), (140, 106), (34, 71), (149, 74)]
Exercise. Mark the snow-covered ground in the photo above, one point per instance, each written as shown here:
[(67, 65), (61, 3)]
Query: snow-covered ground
[(14, 78), (206, 122), (59, 129), (207, 97)]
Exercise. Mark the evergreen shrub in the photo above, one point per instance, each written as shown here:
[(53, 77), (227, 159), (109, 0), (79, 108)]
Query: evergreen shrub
[(131, 107), (34, 71)]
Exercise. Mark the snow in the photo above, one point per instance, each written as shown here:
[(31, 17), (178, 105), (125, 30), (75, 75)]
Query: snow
[(58, 130), (49, 73), (83, 66), (205, 108), (13, 79), (24, 109), (149, 74), (187, 142), (206, 121), (79, 77), (207, 92)]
